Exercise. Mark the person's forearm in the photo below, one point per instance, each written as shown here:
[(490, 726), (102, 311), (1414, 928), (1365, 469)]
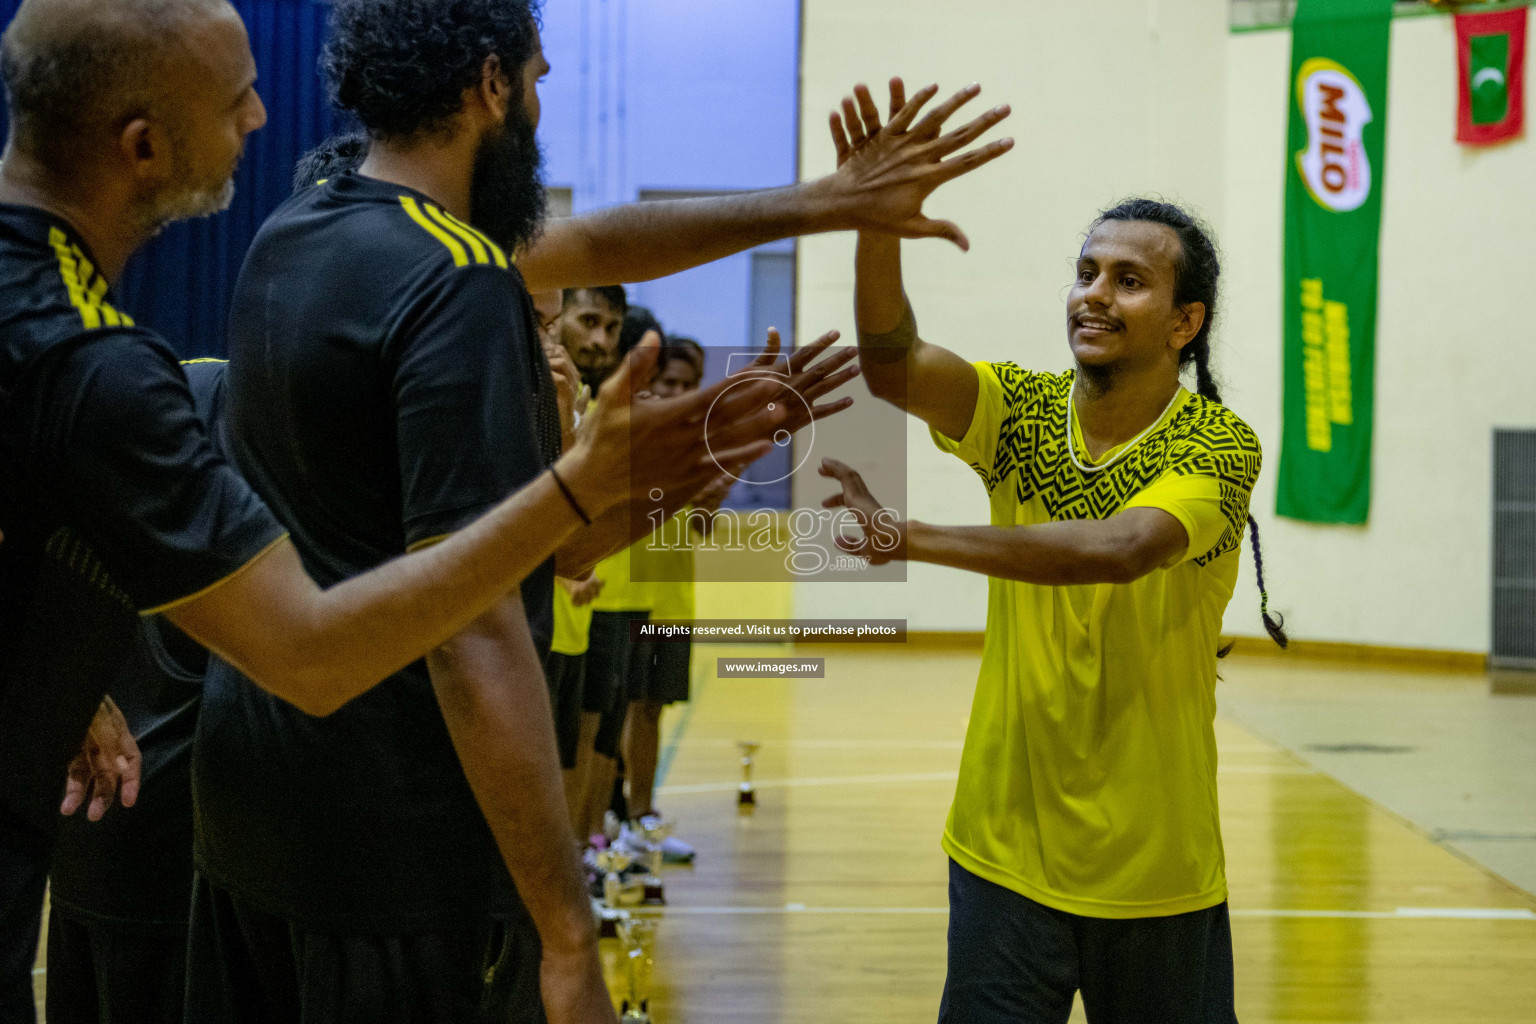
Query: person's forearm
[(440, 589), (318, 649), (490, 687), (644, 241), (887, 330), (614, 532), (1052, 554), (591, 545)]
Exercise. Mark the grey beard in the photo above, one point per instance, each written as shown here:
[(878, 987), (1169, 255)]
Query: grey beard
[(185, 205)]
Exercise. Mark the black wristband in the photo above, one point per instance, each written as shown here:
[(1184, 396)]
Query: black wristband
[(570, 497)]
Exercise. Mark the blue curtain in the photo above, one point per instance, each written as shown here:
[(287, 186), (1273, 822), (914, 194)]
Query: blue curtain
[(180, 284)]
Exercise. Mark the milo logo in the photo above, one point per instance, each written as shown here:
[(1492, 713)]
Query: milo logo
[(1334, 165)]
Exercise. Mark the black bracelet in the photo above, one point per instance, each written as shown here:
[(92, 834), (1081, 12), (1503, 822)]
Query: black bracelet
[(570, 497)]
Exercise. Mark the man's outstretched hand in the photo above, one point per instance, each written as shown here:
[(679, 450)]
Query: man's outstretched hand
[(806, 374), (106, 767), (885, 173), (885, 536)]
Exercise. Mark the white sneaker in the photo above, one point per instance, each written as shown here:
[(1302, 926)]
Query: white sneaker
[(631, 841), (673, 849)]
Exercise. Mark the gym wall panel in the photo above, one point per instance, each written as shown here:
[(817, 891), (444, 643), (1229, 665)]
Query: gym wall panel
[(1110, 98), (682, 96), (1456, 353)]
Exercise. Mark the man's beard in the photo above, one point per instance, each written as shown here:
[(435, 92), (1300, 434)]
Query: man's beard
[(181, 201), (507, 193), (1098, 381), (593, 376)]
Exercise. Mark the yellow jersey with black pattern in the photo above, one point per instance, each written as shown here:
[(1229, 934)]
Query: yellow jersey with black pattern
[(1088, 779)]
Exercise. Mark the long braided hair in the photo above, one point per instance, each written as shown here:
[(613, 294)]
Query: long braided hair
[(1196, 275)]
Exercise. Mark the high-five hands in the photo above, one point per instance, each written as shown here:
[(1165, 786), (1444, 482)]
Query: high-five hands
[(885, 535), (632, 448), (805, 374), (885, 173)]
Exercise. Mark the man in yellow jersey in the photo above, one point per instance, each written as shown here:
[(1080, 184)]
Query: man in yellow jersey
[(1084, 840)]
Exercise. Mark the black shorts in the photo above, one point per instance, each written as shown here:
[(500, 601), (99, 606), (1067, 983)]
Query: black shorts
[(614, 664), (666, 679), (566, 674), (100, 971), (245, 966), (24, 860), (1012, 959)]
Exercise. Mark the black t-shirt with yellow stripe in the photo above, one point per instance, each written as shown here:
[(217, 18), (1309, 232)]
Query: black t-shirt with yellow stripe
[(386, 387), (132, 870), (112, 499)]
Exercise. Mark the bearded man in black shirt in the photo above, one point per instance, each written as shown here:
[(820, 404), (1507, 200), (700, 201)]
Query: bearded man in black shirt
[(125, 115), (129, 113)]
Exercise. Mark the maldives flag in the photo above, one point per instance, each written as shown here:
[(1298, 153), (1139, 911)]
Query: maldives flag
[(1490, 60)]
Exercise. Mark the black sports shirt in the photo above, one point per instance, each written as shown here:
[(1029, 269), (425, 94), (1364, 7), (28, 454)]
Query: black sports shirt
[(112, 500), (385, 387), (132, 870)]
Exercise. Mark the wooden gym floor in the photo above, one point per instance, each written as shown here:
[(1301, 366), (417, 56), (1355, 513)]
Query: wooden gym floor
[(827, 903)]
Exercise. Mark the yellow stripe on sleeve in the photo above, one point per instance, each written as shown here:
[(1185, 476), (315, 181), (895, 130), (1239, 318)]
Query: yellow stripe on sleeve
[(496, 253), (69, 273), (460, 257), (110, 315), (452, 226), (84, 269)]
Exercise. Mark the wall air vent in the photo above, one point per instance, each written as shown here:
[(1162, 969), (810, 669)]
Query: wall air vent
[(1514, 549)]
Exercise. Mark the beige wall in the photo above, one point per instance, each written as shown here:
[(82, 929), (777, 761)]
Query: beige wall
[(1109, 98), (1154, 96), (1455, 353)]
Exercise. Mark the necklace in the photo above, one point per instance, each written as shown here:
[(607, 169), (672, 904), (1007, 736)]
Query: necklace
[(1125, 449)]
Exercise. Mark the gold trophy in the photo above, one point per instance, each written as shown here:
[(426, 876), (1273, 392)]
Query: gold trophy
[(639, 937), (746, 796), (616, 892), (654, 830)]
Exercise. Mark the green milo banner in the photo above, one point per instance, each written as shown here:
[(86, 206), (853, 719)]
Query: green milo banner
[(1334, 173)]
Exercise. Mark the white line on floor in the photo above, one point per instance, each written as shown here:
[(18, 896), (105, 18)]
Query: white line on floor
[(1265, 769), (1401, 913), (1467, 913), (902, 778), (839, 780), (836, 744), (904, 744)]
